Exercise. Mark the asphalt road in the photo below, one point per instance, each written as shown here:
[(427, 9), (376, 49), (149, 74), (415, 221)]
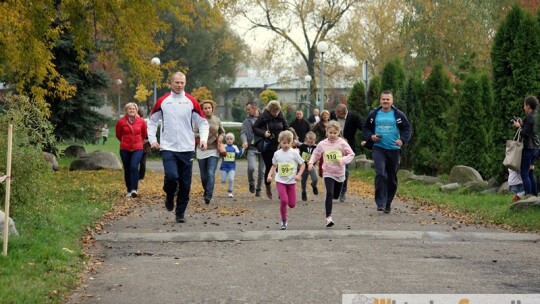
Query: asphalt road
[(233, 252)]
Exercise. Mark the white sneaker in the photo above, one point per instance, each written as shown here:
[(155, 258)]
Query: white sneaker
[(134, 193), (128, 195), (283, 226), (329, 222), (230, 195)]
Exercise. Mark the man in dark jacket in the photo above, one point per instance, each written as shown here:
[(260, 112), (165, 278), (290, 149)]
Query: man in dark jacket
[(314, 118), (350, 122), (248, 144), (388, 129), (300, 126)]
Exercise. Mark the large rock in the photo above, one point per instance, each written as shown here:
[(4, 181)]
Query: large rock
[(51, 159), (96, 161), (74, 151), (11, 228), (450, 187), (463, 175), (503, 189), (426, 179)]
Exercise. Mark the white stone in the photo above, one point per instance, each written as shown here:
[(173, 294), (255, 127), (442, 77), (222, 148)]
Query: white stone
[(12, 229)]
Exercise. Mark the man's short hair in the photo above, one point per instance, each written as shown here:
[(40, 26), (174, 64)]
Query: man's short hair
[(252, 103), (387, 92), (532, 102)]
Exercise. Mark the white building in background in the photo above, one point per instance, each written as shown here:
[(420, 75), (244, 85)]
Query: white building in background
[(291, 92)]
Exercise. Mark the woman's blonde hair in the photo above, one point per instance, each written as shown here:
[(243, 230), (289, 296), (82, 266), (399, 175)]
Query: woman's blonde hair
[(273, 106), (286, 135), (211, 102), (129, 105), (325, 112), (332, 124)]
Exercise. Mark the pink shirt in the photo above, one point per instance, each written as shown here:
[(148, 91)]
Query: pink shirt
[(334, 163)]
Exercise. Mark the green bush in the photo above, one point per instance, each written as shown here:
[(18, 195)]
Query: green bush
[(29, 171)]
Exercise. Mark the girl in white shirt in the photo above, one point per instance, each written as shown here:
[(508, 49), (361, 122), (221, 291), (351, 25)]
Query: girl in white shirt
[(286, 160)]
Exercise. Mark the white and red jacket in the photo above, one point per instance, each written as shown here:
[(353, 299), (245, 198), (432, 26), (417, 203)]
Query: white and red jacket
[(178, 113)]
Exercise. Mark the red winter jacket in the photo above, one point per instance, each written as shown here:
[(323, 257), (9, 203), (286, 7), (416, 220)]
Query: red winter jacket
[(131, 136)]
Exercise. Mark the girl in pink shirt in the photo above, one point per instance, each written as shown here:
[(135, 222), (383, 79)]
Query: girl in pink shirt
[(337, 153)]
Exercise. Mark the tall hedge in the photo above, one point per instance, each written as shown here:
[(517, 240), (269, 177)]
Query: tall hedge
[(432, 138), (515, 60), (472, 144), (412, 108), (356, 101), (393, 78)]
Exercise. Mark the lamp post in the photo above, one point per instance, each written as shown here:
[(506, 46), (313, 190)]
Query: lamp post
[(157, 62), (322, 47), (119, 83), (307, 78), (365, 77)]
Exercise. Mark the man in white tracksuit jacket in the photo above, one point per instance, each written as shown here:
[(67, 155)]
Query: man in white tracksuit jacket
[(178, 112)]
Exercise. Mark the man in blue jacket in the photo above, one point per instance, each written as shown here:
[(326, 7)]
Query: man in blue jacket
[(388, 129)]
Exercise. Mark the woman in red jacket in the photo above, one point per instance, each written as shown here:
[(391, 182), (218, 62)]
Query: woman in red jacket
[(131, 132)]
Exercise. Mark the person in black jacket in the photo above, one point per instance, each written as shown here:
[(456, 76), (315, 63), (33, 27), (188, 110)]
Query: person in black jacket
[(300, 126), (350, 123), (531, 145), (268, 126), (314, 118), (389, 129)]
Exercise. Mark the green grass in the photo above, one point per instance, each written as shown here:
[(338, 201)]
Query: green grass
[(46, 260), (112, 144), (485, 209)]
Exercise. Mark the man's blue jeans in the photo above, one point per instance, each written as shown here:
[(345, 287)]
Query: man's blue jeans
[(207, 167), (178, 168), (131, 160)]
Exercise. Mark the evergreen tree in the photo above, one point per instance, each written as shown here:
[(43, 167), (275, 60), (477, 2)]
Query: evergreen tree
[(75, 118), (471, 141), (374, 91), (432, 140), (393, 78), (356, 101), (412, 108), (515, 59)]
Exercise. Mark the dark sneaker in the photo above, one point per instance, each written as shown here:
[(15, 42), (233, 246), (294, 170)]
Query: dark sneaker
[(169, 203), (180, 219), (258, 192), (380, 209), (304, 196), (251, 188), (315, 190), (342, 197), (268, 191), (207, 200), (387, 209)]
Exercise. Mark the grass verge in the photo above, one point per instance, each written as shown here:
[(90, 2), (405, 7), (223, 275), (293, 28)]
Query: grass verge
[(44, 263), (483, 209)]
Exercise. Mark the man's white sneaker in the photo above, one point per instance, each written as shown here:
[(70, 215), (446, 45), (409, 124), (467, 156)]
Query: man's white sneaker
[(283, 226), (230, 195), (329, 222), (134, 193)]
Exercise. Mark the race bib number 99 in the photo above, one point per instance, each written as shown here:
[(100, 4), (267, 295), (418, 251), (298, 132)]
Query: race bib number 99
[(229, 157), (333, 156), (286, 169)]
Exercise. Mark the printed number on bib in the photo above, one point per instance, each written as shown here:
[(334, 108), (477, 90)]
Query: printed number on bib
[(333, 156), (286, 169), (306, 156), (229, 157)]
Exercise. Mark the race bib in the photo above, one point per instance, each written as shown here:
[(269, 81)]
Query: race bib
[(306, 156), (286, 169), (333, 156), (229, 157)]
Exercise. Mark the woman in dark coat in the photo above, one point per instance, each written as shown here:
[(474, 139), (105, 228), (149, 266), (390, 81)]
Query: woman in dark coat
[(268, 126)]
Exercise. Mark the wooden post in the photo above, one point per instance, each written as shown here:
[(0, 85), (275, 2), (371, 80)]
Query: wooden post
[(8, 188)]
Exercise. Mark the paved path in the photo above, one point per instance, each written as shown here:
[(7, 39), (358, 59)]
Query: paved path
[(233, 252)]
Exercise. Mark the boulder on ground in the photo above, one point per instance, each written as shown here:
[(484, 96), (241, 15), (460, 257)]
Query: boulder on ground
[(11, 228), (503, 189), (426, 179), (450, 187), (51, 159), (74, 151), (463, 175), (96, 161)]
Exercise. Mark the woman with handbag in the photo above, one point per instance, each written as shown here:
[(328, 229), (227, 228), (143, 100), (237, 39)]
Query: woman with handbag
[(208, 159), (267, 127), (531, 144)]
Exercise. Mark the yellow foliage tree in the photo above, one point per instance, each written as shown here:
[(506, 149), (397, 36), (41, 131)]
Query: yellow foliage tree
[(29, 29), (267, 96), (202, 93), (141, 93)]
